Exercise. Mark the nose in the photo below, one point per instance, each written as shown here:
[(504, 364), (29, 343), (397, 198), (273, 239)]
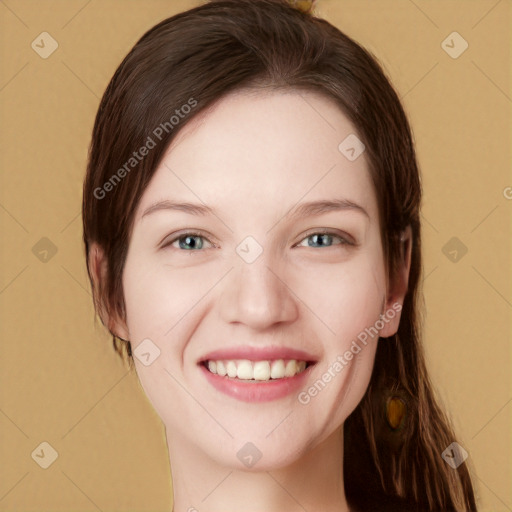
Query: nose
[(258, 295)]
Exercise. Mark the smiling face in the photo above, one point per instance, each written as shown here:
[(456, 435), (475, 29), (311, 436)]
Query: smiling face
[(252, 279)]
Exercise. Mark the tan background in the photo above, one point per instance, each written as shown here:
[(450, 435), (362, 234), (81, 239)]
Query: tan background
[(62, 384)]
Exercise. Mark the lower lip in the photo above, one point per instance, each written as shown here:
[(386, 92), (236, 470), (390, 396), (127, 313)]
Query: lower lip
[(256, 391)]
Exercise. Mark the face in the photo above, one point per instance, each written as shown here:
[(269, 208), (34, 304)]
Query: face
[(253, 314)]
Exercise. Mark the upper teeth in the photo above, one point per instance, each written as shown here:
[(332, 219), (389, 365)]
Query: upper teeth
[(257, 370)]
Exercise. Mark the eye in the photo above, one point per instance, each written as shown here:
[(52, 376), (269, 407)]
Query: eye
[(324, 238), (188, 241), (193, 241)]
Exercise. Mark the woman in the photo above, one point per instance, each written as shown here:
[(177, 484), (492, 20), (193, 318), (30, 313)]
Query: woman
[(252, 234)]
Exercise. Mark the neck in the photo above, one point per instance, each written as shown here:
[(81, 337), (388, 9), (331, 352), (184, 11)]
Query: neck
[(313, 482)]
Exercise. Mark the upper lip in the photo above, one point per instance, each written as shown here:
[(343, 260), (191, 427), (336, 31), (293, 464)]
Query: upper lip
[(258, 354)]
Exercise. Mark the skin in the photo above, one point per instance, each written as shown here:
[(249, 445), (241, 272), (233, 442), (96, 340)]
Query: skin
[(253, 157)]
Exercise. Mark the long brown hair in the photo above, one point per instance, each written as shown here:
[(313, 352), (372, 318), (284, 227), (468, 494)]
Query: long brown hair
[(197, 57)]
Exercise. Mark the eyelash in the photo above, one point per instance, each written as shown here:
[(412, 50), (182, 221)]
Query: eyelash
[(343, 240)]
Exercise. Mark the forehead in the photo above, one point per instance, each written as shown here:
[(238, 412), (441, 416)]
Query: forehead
[(263, 151)]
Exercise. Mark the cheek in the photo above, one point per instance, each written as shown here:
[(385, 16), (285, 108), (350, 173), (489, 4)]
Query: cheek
[(158, 298), (346, 298), (350, 305), (162, 304)]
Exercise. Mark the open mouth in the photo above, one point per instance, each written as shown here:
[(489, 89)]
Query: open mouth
[(257, 371)]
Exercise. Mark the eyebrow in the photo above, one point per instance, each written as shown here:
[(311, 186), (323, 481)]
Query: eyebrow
[(192, 208), (300, 210), (319, 207)]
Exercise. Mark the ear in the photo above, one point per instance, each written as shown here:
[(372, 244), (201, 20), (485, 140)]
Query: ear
[(98, 270), (397, 289)]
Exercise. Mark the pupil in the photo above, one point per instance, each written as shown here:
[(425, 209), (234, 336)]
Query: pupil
[(318, 238), (189, 241)]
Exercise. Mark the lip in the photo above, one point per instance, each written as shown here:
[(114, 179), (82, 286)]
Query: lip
[(258, 354), (256, 391)]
